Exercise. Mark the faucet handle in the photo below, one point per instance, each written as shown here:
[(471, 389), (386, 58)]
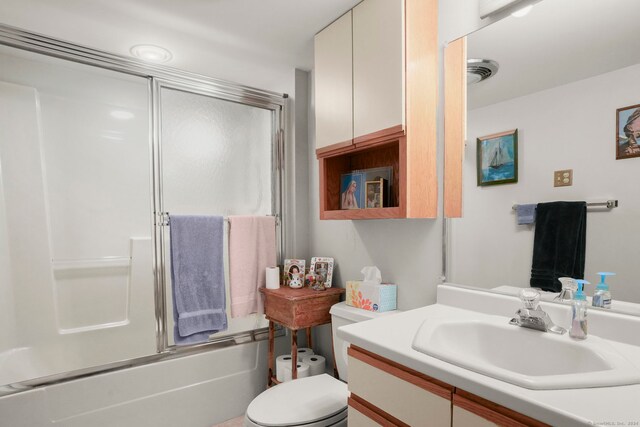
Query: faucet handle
[(530, 298)]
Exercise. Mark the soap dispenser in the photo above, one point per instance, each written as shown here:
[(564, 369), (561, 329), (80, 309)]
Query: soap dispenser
[(578, 328), (602, 296)]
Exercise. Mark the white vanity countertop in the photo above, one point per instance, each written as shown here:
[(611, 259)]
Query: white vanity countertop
[(392, 336)]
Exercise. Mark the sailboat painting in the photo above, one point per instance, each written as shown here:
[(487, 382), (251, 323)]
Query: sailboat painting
[(497, 158)]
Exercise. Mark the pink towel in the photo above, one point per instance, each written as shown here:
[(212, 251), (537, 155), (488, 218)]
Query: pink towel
[(252, 248)]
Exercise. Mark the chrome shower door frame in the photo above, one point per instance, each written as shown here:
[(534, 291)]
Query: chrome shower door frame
[(159, 212)]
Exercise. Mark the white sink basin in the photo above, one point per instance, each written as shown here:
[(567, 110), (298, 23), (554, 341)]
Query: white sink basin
[(524, 357)]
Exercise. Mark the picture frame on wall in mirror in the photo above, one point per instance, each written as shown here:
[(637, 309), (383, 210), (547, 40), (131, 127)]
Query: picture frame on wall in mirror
[(497, 158), (628, 132)]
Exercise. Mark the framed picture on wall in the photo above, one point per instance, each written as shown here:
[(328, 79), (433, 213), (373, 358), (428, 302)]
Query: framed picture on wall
[(628, 132), (497, 158)]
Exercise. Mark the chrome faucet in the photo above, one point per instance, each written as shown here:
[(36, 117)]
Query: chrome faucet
[(532, 316)]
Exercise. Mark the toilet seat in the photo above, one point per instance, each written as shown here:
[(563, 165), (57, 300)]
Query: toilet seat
[(316, 401)]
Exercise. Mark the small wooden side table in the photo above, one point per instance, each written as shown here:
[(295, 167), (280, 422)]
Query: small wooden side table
[(297, 309)]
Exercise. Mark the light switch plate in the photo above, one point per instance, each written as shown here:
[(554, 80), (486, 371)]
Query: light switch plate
[(563, 178)]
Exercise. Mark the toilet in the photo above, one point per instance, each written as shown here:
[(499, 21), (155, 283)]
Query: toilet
[(318, 401)]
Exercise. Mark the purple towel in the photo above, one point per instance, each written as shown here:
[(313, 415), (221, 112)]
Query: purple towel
[(197, 277), (526, 214)]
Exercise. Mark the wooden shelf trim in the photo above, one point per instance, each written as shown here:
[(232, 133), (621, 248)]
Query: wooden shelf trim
[(373, 213), (372, 139), (376, 414), (416, 378), (335, 149), (383, 135), (493, 412)]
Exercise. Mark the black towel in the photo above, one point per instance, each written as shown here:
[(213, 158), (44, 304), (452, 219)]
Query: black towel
[(559, 244)]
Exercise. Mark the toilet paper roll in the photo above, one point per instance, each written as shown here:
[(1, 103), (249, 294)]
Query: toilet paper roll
[(316, 364), (281, 363), (304, 351), (303, 371), (273, 277)]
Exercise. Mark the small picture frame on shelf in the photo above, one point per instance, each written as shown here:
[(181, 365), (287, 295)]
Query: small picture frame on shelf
[(375, 192), (294, 272), (375, 174), (322, 268), (351, 190)]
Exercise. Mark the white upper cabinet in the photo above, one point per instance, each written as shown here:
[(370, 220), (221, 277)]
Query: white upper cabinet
[(378, 66), (334, 83)]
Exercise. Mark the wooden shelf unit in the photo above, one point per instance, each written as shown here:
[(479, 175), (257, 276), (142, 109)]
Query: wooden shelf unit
[(376, 103), (379, 154)]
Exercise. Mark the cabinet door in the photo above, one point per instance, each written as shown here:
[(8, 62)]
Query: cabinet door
[(464, 418), (334, 83), (474, 411), (407, 398), (378, 66)]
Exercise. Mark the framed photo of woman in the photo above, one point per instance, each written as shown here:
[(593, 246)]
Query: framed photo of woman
[(351, 190)]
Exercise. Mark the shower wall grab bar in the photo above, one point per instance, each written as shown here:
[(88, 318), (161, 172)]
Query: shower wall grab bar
[(87, 263), (609, 204)]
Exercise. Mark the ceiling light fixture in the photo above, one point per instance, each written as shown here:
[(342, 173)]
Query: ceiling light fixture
[(522, 12), (151, 53)]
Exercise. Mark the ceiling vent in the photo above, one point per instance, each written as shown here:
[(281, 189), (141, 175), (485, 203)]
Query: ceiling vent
[(480, 69)]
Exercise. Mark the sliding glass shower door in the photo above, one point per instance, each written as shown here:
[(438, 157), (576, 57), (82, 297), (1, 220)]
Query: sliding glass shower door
[(218, 157), (91, 157), (76, 283)]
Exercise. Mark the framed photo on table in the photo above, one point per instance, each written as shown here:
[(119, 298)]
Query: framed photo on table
[(294, 269), (323, 267)]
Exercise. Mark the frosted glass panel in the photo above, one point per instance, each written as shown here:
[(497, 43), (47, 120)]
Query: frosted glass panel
[(76, 286), (217, 156), (216, 160)]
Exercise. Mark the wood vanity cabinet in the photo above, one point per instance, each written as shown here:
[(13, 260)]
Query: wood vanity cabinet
[(375, 104), (385, 393)]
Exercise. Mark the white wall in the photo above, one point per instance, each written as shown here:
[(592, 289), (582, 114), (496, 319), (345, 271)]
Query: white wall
[(567, 127)]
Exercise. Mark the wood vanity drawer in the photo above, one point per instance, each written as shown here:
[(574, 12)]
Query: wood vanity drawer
[(470, 410), (397, 393)]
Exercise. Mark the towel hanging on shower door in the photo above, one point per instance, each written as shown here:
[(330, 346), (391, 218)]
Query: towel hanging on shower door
[(252, 248), (197, 277)]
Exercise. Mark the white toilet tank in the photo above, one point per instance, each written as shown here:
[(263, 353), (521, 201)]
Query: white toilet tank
[(341, 315)]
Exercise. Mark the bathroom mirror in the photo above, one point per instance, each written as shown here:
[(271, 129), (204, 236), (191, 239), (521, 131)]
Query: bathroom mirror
[(564, 71)]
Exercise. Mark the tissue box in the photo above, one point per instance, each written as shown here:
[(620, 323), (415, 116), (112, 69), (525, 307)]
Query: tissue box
[(372, 297)]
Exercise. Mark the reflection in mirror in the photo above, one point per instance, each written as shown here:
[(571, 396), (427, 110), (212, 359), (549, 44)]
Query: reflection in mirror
[(568, 81)]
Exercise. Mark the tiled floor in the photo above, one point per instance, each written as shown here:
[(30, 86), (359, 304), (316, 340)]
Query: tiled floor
[(235, 422)]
